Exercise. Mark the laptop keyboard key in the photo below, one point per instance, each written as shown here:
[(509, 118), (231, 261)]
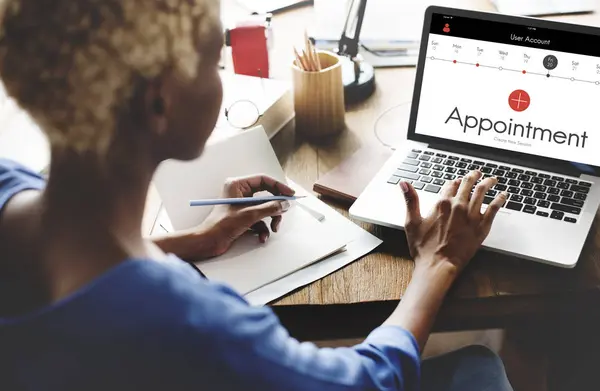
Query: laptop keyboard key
[(406, 175), (417, 151), (516, 198), (438, 167), (461, 165), (563, 185), (514, 206), (411, 162), (462, 172), (408, 168), (424, 172), (486, 170), (425, 158), (529, 209), (541, 188), (439, 182), (499, 172), (426, 179), (553, 190), (527, 185), (437, 160), (526, 193), (505, 168), (449, 177), (565, 208), (488, 200), (537, 180), (571, 181), (557, 178), (531, 173), (451, 170), (479, 162), (514, 182), (585, 184), (432, 189), (502, 180), (570, 220), (418, 185), (550, 182), (572, 202), (500, 187), (517, 170), (394, 180), (511, 175), (449, 162), (412, 155), (441, 155), (557, 215), (543, 214), (580, 189), (491, 193), (544, 176), (473, 167), (580, 196), (492, 165), (464, 159), (567, 193), (428, 153), (453, 157), (437, 174), (539, 195), (514, 190), (553, 198), (524, 177), (543, 204), (426, 165)]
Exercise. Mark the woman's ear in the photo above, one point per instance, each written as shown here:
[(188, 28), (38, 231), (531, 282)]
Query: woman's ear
[(156, 107)]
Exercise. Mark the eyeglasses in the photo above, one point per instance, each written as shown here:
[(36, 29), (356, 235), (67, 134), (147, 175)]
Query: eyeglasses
[(243, 114)]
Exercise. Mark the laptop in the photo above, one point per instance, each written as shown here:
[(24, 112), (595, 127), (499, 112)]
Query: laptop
[(517, 98)]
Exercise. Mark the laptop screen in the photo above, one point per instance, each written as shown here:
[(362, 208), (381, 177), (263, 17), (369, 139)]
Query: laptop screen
[(511, 86)]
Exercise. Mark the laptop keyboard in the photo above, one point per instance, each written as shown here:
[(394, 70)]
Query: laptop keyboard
[(533, 192)]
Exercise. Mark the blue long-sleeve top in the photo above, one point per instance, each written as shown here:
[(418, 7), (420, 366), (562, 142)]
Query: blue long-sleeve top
[(155, 325)]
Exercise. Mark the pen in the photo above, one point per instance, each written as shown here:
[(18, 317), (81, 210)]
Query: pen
[(242, 201)]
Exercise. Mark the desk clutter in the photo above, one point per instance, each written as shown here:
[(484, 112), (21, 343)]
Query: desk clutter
[(314, 240)]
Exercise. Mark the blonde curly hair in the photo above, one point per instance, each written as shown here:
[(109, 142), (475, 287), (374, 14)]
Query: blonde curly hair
[(73, 64)]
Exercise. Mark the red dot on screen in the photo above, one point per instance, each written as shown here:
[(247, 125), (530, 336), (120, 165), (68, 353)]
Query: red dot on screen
[(477, 64), (454, 61), (524, 71)]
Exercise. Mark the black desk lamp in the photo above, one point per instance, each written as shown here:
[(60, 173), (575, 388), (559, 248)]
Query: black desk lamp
[(358, 76)]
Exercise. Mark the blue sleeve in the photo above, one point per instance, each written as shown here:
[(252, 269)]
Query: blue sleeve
[(15, 178), (252, 343)]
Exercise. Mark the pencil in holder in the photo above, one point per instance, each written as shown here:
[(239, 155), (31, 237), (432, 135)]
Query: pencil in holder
[(319, 98)]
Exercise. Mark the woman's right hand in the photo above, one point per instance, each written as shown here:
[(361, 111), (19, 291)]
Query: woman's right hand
[(455, 229)]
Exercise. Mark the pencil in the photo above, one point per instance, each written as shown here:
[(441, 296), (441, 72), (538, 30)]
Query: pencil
[(243, 201), (300, 60)]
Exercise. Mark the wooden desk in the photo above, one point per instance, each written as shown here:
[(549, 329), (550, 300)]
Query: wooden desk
[(494, 291)]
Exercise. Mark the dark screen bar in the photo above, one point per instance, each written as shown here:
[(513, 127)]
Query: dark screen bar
[(515, 34)]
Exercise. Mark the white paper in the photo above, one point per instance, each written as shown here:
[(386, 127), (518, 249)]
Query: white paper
[(546, 7), (359, 243), (179, 182), (249, 265)]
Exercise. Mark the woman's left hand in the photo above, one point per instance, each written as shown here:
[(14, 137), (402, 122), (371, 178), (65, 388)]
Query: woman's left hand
[(226, 223)]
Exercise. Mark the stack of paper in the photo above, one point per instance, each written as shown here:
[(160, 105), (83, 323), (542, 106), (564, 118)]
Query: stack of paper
[(314, 240)]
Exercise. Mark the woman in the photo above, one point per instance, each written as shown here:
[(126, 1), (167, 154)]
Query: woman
[(87, 303)]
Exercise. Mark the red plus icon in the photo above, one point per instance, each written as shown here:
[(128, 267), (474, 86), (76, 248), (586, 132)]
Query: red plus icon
[(519, 100)]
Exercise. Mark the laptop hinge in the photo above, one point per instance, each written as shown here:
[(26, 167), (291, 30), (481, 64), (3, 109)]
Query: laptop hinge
[(539, 163)]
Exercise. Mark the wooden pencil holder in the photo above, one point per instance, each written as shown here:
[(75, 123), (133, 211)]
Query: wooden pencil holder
[(319, 98)]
